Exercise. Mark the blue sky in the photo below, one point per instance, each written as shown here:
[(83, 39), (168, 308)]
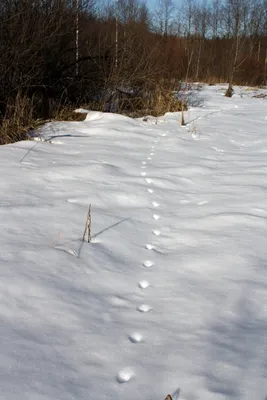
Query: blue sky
[(151, 3)]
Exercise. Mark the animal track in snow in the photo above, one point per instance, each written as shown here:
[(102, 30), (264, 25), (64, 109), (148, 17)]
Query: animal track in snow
[(202, 202), (149, 246), (136, 337), (185, 201), (144, 308), (155, 204), (150, 190), (74, 201), (148, 263), (217, 149), (118, 301), (125, 375), (156, 232), (156, 216), (143, 284), (148, 180)]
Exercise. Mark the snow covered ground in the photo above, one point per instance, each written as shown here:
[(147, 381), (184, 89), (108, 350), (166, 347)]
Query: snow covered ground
[(172, 291)]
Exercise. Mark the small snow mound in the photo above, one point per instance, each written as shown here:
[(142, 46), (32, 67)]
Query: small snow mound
[(93, 115), (143, 284), (125, 375), (148, 263), (144, 308), (136, 337), (81, 111)]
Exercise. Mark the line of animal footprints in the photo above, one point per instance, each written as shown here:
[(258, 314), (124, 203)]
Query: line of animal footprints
[(148, 263), (127, 373)]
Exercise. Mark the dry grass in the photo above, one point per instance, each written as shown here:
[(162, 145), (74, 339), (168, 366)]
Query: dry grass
[(260, 96), (155, 101), (164, 101), (67, 113), (87, 228), (18, 120)]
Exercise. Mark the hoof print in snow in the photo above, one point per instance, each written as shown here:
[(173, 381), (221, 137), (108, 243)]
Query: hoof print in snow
[(118, 301), (125, 375)]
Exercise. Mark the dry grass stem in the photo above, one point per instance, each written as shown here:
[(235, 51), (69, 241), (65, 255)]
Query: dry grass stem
[(87, 228)]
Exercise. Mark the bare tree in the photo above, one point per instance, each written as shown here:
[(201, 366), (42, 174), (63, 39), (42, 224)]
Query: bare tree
[(235, 17), (164, 16)]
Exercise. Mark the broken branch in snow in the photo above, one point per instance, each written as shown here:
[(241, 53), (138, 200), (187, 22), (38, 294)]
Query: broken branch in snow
[(87, 227)]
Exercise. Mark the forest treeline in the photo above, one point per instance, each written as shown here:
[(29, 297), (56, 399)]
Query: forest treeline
[(59, 53)]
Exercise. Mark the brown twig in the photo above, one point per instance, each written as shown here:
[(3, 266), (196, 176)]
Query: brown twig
[(87, 227)]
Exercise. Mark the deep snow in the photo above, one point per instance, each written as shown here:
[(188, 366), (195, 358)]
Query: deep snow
[(172, 291)]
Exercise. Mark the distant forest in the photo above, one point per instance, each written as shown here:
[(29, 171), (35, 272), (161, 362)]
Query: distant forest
[(60, 52)]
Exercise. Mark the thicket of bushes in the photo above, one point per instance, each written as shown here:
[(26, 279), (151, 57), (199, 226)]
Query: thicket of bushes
[(42, 70)]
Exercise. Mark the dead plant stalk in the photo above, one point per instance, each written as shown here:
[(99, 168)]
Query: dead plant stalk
[(87, 227)]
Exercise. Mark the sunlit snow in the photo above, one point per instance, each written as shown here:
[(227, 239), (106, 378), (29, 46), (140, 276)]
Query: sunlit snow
[(158, 302)]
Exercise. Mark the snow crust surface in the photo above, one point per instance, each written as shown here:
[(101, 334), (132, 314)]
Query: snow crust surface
[(172, 291)]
